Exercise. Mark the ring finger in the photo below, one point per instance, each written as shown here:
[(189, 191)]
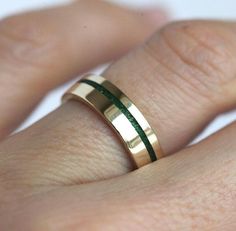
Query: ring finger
[(174, 79)]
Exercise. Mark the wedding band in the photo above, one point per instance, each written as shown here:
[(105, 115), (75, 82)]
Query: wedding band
[(122, 115)]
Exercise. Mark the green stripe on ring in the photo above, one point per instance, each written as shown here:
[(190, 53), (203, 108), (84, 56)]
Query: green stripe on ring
[(127, 114)]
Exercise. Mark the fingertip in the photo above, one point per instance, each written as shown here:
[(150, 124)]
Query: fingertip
[(156, 17)]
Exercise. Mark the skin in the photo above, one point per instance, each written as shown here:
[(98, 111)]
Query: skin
[(69, 171)]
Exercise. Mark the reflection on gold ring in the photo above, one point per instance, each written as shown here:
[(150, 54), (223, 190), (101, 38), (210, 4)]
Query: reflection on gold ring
[(119, 111)]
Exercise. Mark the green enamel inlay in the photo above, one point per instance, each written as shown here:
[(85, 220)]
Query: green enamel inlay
[(127, 114)]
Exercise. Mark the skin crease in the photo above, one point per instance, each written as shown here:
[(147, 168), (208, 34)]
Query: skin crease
[(52, 177)]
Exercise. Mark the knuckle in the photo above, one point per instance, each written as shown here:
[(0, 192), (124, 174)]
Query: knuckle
[(202, 52), (198, 43), (24, 42)]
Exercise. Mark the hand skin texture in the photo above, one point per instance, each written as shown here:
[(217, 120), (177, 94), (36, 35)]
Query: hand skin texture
[(69, 171)]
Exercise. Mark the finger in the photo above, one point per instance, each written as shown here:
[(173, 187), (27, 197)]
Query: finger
[(40, 50), (172, 81), (192, 190)]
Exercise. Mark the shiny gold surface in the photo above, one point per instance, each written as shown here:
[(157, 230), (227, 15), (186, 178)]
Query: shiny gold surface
[(115, 118)]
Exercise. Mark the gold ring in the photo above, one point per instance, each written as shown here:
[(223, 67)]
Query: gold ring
[(121, 114)]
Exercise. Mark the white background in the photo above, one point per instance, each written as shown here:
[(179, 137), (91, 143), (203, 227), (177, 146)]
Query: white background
[(180, 9)]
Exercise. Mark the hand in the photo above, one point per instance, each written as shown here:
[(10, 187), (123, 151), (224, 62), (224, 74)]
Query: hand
[(69, 171)]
